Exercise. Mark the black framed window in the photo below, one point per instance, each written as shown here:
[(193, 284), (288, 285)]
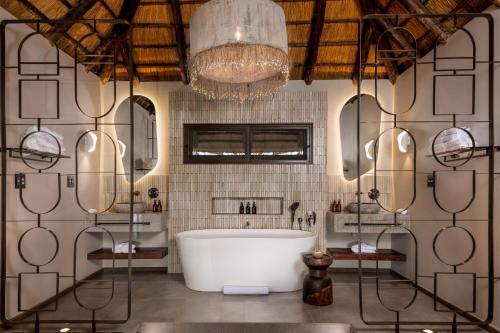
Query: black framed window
[(248, 143)]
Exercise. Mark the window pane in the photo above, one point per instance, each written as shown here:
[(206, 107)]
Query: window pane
[(218, 143), (288, 144)]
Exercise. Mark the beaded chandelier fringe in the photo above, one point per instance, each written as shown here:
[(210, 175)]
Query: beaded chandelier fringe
[(236, 55)]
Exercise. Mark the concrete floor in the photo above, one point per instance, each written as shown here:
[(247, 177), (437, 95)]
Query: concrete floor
[(163, 298)]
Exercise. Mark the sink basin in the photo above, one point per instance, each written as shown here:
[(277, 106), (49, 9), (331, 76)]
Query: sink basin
[(365, 208), (124, 207)]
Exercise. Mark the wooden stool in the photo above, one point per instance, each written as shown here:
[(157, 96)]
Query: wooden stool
[(317, 285)]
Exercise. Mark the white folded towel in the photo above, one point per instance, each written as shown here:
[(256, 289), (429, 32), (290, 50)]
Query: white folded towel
[(43, 142), (365, 248), (451, 140), (123, 247)]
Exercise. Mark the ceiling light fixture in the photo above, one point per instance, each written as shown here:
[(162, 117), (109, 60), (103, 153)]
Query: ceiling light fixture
[(426, 330), (238, 49), (64, 330)]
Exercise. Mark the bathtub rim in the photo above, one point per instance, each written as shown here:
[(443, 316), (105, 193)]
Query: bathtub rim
[(255, 232)]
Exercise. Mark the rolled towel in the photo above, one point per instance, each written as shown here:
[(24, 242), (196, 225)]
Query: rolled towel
[(365, 248)]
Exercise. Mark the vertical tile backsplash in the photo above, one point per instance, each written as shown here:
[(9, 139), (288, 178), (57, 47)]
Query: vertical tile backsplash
[(193, 186), (143, 185)]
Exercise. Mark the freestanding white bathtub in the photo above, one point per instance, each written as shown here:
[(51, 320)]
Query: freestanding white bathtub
[(212, 259)]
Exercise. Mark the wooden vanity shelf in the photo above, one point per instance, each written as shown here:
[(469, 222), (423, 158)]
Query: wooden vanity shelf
[(141, 253), (381, 255)]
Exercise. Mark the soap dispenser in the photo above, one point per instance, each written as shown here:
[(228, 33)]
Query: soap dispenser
[(247, 209), (242, 208), (254, 208)]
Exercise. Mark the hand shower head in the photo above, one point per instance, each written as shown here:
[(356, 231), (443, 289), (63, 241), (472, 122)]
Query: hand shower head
[(293, 208)]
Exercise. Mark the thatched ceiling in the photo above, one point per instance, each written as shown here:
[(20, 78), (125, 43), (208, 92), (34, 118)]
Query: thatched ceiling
[(320, 48)]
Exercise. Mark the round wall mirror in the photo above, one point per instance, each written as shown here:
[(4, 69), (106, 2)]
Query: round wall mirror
[(369, 130), (145, 140)]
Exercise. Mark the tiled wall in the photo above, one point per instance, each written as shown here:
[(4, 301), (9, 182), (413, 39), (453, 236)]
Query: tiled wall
[(192, 186), (345, 191), (143, 185)]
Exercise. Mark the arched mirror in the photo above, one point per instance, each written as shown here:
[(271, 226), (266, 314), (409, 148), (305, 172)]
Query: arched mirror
[(369, 130), (145, 141)]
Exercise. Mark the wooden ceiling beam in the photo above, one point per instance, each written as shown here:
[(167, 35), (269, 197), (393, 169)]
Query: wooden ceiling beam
[(433, 24), (180, 40), (366, 40), (367, 7), (116, 36), (75, 13), (33, 9), (317, 24), (108, 8)]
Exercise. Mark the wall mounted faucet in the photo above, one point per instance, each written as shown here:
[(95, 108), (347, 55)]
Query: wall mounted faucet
[(310, 218)]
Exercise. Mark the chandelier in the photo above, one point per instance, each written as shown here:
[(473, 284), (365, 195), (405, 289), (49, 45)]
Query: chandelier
[(239, 49)]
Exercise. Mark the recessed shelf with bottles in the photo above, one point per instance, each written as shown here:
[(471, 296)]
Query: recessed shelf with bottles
[(232, 205)]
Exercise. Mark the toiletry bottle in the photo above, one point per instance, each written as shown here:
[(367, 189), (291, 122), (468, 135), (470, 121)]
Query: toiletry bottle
[(332, 206), (159, 207), (155, 206), (247, 210), (339, 207), (242, 208), (254, 208), (336, 206)]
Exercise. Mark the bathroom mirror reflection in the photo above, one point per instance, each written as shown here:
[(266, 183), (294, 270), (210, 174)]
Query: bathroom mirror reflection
[(145, 140), (370, 116)]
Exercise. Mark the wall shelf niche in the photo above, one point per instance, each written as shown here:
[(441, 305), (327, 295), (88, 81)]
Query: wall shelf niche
[(231, 205)]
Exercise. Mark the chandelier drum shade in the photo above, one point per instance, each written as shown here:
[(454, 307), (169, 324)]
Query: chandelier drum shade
[(238, 49)]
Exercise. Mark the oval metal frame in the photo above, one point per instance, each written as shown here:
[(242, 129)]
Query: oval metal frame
[(77, 173), (20, 62), (415, 48), (21, 197), (415, 277), (474, 52), (75, 281), (471, 255), (23, 257), (375, 160), (434, 194), (21, 144), (467, 159), (76, 62)]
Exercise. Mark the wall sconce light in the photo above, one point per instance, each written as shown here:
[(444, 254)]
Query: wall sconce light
[(369, 149), (403, 141), (122, 148), (90, 141)]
